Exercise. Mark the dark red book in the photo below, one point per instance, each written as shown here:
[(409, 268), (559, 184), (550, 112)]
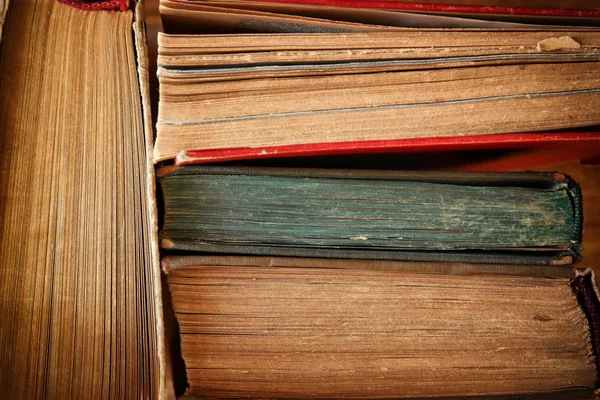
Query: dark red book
[(497, 8), (582, 146)]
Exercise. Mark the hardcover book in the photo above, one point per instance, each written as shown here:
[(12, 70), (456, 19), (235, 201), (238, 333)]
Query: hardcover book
[(527, 218), (279, 79), (264, 327), (80, 297), (81, 302)]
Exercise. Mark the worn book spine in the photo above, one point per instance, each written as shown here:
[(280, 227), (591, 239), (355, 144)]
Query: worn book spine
[(585, 287)]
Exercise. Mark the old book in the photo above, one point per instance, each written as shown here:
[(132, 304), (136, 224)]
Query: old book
[(237, 16), (517, 218), (80, 299), (225, 95), (261, 327), (190, 91)]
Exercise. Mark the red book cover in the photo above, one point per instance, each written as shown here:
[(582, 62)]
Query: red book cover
[(452, 8), (590, 141), (112, 5)]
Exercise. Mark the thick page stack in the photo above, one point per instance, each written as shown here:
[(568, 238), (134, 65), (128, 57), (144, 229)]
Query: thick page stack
[(271, 91), (296, 328), (80, 286), (411, 81)]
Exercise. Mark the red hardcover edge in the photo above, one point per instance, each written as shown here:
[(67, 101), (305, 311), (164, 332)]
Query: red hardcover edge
[(449, 8), (114, 5), (503, 141)]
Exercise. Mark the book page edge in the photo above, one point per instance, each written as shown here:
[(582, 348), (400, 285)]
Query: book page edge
[(3, 9), (139, 31)]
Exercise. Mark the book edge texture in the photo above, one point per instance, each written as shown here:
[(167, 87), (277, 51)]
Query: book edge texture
[(585, 287), (551, 181), (3, 10), (170, 263), (589, 287), (565, 394), (139, 31)]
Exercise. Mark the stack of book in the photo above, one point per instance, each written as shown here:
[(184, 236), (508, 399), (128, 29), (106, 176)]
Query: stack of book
[(349, 281), (361, 283), (365, 284)]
